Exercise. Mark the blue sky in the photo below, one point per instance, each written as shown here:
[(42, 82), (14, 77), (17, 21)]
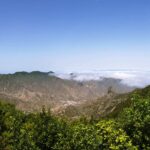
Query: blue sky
[(74, 35)]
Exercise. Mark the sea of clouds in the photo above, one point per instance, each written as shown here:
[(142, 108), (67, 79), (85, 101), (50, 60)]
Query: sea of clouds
[(129, 77)]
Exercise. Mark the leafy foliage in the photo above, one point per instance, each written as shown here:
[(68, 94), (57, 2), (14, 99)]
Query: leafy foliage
[(135, 120), (42, 131)]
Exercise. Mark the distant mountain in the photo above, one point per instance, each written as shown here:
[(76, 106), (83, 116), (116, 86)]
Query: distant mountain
[(30, 91)]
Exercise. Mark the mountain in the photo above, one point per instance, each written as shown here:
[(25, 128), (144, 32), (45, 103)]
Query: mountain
[(126, 126), (30, 91)]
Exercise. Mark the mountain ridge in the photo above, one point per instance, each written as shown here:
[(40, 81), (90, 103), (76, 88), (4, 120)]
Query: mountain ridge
[(30, 91)]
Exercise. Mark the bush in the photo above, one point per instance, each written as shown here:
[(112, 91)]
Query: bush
[(136, 121), (42, 131)]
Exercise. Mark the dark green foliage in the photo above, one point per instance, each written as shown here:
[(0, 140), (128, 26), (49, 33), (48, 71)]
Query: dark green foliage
[(42, 131), (135, 120)]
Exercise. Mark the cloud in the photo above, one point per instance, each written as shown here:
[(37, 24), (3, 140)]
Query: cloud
[(131, 78)]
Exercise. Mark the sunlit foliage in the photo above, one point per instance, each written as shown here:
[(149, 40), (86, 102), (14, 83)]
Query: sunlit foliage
[(43, 131)]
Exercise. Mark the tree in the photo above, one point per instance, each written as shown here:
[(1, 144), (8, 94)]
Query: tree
[(135, 120)]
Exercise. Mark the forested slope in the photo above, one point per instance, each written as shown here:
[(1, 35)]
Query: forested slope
[(129, 129)]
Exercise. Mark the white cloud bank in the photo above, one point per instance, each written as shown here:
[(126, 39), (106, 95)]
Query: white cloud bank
[(131, 78)]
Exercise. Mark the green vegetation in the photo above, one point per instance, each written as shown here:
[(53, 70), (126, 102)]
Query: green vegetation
[(129, 130)]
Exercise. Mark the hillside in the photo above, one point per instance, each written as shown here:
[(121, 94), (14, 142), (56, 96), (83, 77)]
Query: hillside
[(30, 91), (129, 130)]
